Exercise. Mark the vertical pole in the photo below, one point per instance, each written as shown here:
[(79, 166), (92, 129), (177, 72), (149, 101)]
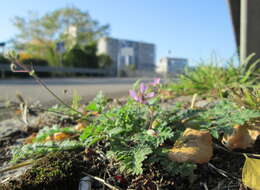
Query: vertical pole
[(243, 30)]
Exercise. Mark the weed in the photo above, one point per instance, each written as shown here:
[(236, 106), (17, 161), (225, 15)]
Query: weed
[(213, 79), (246, 96), (15, 63)]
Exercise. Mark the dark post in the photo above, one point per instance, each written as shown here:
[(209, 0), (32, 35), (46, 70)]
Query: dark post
[(245, 16)]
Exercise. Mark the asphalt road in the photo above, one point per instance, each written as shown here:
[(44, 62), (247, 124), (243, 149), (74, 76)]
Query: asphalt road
[(64, 87)]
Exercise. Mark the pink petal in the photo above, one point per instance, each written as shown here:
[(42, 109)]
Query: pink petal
[(133, 94), (143, 88), (150, 95), (157, 80)]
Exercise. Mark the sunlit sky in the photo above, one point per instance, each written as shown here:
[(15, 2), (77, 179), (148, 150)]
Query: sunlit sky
[(192, 29)]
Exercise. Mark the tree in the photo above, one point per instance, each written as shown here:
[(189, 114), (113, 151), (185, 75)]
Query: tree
[(82, 57), (39, 35), (104, 61)]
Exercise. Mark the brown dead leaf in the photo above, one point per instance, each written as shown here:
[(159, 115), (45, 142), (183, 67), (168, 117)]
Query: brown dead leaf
[(29, 140), (194, 146), (59, 136), (166, 94), (242, 137), (95, 113)]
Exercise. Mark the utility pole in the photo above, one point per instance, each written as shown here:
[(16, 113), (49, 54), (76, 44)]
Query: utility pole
[(243, 30), (246, 16)]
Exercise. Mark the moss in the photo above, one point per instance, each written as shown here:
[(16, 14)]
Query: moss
[(58, 170)]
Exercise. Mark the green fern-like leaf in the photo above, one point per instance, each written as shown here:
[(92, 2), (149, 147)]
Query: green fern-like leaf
[(224, 116), (35, 150), (131, 160)]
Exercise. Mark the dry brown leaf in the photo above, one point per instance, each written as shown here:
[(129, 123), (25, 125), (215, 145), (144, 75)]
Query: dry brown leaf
[(59, 136), (29, 140), (166, 94), (242, 137), (194, 146), (95, 113)]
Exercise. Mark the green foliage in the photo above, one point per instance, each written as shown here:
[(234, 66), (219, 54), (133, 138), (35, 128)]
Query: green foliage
[(38, 35), (98, 104), (126, 133), (224, 116), (82, 56), (221, 118), (160, 158), (49, 131), (64, 111), (53, 26), (76, 100), (41, 49), (35, 62), (246, 96), (132, 152), (131, 160), (104, 61), (4, 60), (210, 77), (137, 136), (40, 147), (36, 150)]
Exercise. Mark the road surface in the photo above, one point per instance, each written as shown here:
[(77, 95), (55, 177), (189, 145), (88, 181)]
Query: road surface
[(64, 87)]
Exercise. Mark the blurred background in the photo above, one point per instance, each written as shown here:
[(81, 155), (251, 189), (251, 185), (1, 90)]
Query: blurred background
[(67, 41), (128, 38)]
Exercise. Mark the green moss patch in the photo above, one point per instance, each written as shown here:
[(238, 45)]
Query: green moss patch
[(57, 170)]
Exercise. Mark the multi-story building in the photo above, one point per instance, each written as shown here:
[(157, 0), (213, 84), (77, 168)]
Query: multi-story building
[(172, 66), (128, 54)]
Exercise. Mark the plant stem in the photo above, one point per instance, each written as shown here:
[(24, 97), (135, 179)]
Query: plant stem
[(43, 84)]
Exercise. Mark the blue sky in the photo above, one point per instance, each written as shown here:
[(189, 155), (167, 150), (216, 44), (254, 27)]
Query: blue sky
[(192, 29)]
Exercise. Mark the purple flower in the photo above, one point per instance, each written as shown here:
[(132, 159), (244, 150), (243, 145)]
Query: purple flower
[(142, 95), (155, 82)]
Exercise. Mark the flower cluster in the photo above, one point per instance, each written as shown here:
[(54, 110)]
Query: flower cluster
[(143, 94)]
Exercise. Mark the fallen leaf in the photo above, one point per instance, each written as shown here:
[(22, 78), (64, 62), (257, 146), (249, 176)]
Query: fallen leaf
[(242, 137), (95, 113), (59, 136), (166, 94), (29, 140), (194, 146)]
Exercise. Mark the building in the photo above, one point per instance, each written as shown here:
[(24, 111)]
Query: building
[(172, 66), (127, 54)]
